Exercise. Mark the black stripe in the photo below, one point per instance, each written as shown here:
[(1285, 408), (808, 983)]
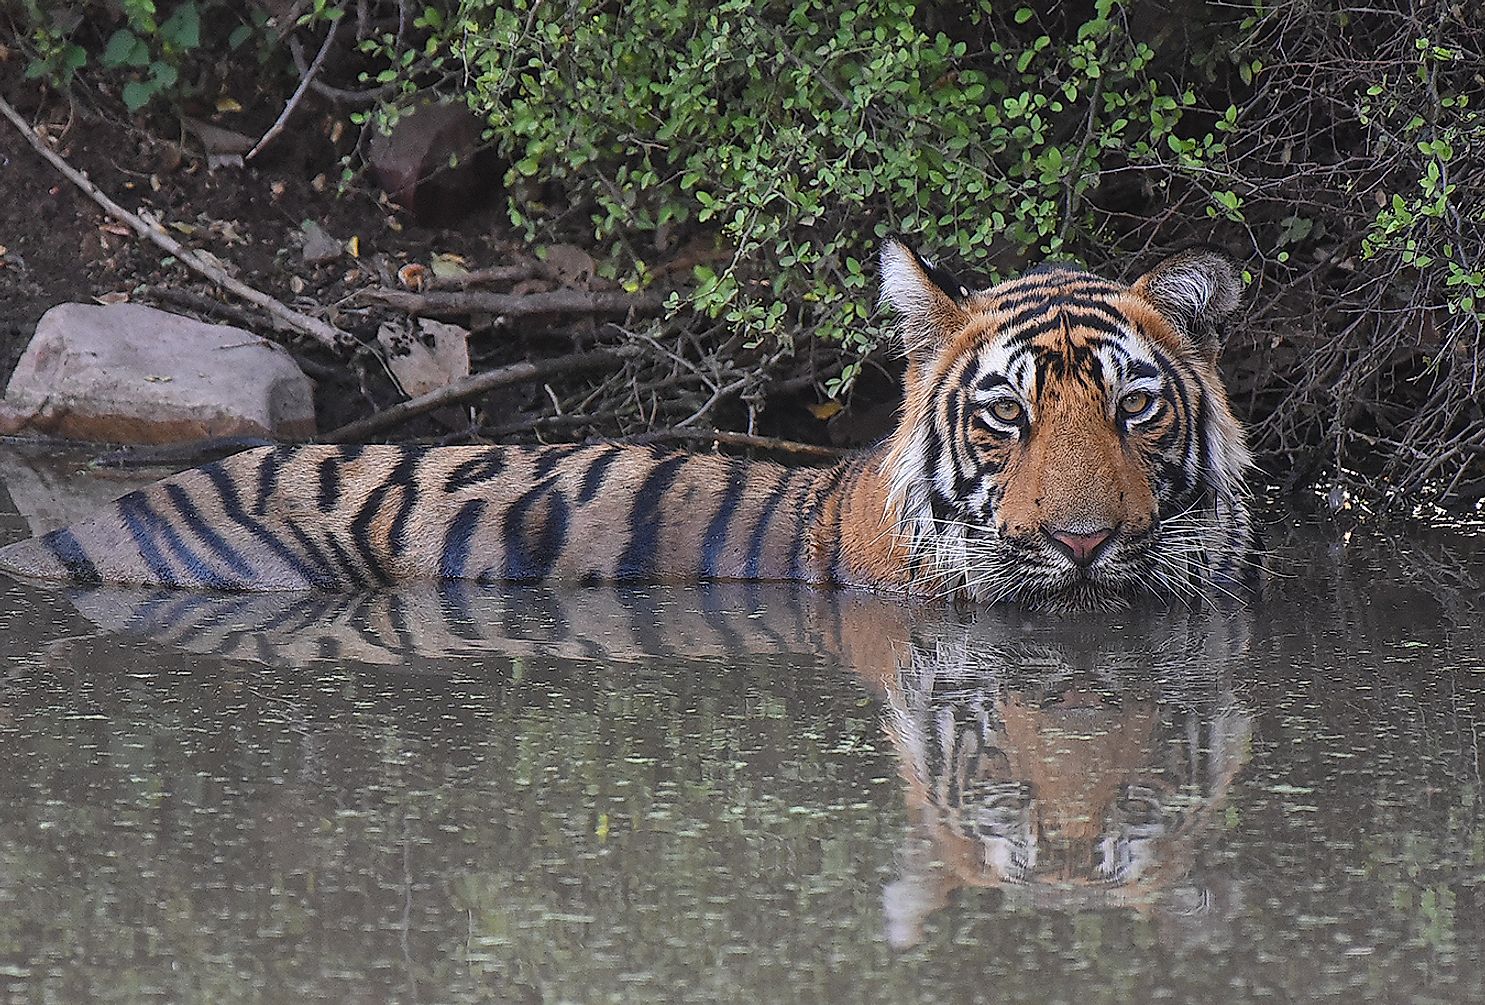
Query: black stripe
[(991, 380), (268, 468), (837, 574), (136, 514), (353, 573), (645, 518), (404, 476), (186, 507), (411, 493), (597, 471), (456, 541), (1140, 369), (716, 531), (150, 530), (798, 554), (66, 549), (231, 504), (528, 559), (480, 468), (329, 493), (760, 530), (548, 460)]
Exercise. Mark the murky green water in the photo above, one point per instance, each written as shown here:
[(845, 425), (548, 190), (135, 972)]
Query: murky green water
[(733, 794)]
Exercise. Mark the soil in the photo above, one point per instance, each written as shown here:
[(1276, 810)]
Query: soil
[(60, 246)]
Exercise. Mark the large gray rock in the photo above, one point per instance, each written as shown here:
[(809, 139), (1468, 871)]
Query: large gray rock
[(126, 373)]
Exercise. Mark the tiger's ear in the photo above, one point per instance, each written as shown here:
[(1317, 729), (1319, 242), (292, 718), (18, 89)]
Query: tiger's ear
[(1196, 290), (928, 300)]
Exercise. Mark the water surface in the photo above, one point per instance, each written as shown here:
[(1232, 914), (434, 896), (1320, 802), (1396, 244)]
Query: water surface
[(744, 794)]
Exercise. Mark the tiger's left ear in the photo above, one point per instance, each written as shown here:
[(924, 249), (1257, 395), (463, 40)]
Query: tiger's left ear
[(1196, 290), (928, 300)]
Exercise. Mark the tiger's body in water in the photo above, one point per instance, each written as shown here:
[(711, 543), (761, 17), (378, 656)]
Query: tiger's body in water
[(1065, 443)]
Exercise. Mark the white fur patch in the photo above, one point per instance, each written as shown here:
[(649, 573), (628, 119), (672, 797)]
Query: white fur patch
[(905, 287), (1188, 290)]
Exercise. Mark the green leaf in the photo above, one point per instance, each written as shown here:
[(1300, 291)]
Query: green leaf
[(162, 76), (1024, 14), (137, 94), (183, 28), (120, 48)]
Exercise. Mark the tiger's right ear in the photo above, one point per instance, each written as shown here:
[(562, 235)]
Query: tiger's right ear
[(928, 301)]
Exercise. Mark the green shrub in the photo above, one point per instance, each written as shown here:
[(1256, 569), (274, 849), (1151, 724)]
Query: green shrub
[(151, 49), (803, 131)]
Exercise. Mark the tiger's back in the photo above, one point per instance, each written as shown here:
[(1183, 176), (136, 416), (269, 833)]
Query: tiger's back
[(338, 517)]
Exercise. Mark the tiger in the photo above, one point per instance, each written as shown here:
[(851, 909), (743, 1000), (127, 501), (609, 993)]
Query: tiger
[(1065, 443)]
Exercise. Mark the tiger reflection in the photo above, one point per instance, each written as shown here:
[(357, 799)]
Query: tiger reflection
[(1068, 772), (1078, 764)]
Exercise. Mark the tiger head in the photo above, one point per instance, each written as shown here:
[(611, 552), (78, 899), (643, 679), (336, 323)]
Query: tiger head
[(1066, 442)]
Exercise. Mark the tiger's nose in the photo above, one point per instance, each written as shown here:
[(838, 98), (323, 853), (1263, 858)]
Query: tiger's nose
[(1081, 548)]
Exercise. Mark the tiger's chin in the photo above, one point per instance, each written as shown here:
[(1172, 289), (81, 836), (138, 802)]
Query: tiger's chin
[(1068, 590), (1080, 596)]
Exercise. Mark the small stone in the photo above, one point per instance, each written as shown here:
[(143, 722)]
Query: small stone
[(127, 373), (319, 247)]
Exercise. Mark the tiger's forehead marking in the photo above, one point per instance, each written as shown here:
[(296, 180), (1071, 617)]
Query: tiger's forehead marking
[(1051, 327)]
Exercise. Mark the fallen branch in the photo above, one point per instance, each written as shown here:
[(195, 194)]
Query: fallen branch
[(549, 423), (463, 303), (294, 99), (288, 318), (493, 276), (471, 387), (730, 439), (191, 300)]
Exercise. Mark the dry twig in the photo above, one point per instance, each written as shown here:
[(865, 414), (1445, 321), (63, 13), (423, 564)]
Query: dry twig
[(470, 387), (294, 99), (339, 95), (463, 303)]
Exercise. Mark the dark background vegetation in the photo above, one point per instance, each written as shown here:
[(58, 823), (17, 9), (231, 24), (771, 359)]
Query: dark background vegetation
[(741, 162)]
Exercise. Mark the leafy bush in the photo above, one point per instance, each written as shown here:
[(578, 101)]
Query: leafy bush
[(1333, 142), (804, 131), (144, 44)]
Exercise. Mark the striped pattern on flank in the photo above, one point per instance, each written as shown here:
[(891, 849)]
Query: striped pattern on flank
[(332, 518)]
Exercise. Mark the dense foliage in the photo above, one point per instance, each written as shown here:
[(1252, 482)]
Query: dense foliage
[(801, 133)]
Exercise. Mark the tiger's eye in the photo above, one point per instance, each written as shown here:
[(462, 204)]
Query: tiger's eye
[(1135, 403), (1007, 410)]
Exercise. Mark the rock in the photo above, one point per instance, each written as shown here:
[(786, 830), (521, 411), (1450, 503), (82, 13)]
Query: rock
[(126, 373), (428, 163), (319, 247)]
